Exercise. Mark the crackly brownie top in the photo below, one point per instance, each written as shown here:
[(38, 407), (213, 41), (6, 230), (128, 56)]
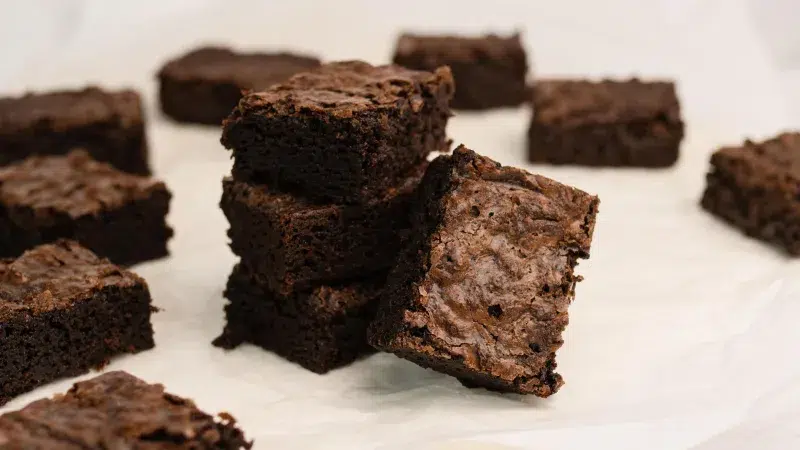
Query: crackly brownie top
[(499, 278), (246, 70), (72, 184), (261, 197), (55, 276), (61, 110), (581, 102), (344, 88), (440, 49), (117, 411), (776, 159)]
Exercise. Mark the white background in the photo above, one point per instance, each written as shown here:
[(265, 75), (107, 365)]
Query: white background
[(684, 333)]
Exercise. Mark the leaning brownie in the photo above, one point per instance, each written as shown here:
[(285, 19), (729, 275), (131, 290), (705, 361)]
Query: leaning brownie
[(606, 123), (293, 243), (118, 411), (64, 311), (321, 329), (755, 188), (204, 85), (115, 214), (481, 291), (108, 124), (343, 132), (490, 71)]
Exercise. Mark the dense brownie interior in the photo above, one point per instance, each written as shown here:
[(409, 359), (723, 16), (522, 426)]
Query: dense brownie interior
[(205, 84), (109, 125), (341, 133), (291, 242), (118, 411), (44, 198), (321, 328), (755, 188), (616, 123), (64, 311), (482, 290), (490, 71)]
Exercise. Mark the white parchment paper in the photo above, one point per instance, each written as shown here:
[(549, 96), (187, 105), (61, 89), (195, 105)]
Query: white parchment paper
[(683, 335)]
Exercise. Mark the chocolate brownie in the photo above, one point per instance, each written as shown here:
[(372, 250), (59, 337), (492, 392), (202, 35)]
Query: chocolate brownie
[(117, 411), (490, 71), (204, 85), (108, 124), (321, 329), (115, 214), (755, 187), (481, 291), (342, 132), (291, 242), (64, 311), (606, 123)]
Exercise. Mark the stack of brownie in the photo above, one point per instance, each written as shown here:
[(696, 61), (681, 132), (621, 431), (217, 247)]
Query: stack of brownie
[(325, 166)]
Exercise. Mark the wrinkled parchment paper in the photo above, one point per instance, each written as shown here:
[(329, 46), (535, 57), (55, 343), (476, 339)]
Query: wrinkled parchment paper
[(683, 335)]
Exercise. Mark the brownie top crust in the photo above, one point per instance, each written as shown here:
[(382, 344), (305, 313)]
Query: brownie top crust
[(775, 158), (435, 49), (345, 88), (246, 70), (281, 203), (61, 110), (117, 411), (497, 271), (55, 276), (579, 102), (72, 184)]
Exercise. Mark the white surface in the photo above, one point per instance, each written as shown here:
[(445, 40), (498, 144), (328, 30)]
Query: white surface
[(683, 334)]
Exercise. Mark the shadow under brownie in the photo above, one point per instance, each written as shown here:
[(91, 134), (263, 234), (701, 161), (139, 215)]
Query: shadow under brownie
[(343, 132), (107, 124), (117, 215), (204, 85), (64, 311), (118, 411), (482, 289), (320, 329)]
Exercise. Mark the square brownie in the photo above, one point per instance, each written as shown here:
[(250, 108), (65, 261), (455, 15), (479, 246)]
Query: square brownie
[(320, 329), (755, 187), (107, 124), (342, 132), (204, 85), (490, 71), (64, 311), (293, 243), (118, 411), (115, 214), (482, 289), (606, 123)]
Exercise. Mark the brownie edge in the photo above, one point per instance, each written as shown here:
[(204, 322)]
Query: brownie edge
[(482, 289)]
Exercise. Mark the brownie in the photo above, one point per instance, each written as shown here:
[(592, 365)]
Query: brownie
[(115, 214), (117, 411), (490, 71), (108, 124), (63, 311), (293, 243), (606, 123), (755, 187), (342, 132), (320, 329), (204, 85), (482, 289)]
